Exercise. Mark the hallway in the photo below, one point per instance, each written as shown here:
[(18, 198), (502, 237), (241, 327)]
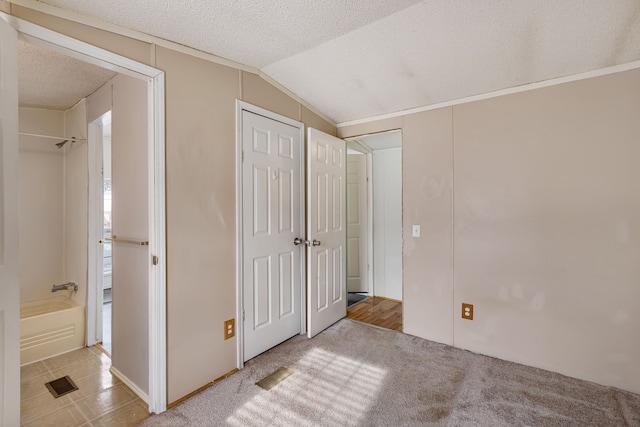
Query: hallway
[(383, 312)]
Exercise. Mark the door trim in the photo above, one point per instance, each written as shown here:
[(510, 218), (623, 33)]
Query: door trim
[(52, 40), (240, 107)]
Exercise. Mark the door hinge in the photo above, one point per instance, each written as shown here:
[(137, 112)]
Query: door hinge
[(243, 155), (154, 260), (243, 314)]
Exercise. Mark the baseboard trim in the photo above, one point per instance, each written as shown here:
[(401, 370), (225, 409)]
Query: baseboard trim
[(389, 299), (204, 387), (134, 388)]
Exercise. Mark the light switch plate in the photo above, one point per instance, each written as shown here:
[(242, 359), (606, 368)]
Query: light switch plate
[(415, 231)]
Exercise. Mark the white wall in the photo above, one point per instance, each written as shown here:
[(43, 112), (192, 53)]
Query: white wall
[(387, 223), (53, 208), (41, 204), (75, 201)]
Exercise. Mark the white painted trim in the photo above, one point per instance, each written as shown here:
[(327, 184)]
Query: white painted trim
[(94, 297), (524, 88), (240, 107), (69, 46), (157, 293), (133, 34), (158, 247), (239, 247), (141, 394), (370, 265)]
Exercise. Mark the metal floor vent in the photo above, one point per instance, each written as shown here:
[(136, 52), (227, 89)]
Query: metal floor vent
[(270, 381), (61, 386)]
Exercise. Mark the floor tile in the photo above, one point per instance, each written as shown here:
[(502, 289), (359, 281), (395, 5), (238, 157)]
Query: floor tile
[(69, 358), (127, 415), (100, 403), (94, 384), (42, 404), (35, 385), (68, 416), (100, 397), (79, 370), (32, 370)]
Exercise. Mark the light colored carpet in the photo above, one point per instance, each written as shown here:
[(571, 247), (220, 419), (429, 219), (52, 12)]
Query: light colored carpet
[(357, 375)]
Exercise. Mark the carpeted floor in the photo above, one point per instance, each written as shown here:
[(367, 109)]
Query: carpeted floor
[(386, 378)]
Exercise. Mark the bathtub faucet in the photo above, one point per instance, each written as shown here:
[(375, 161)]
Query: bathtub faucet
[(68, 285)]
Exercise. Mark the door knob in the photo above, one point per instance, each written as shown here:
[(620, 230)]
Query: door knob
[(298, 241), (316, 242)]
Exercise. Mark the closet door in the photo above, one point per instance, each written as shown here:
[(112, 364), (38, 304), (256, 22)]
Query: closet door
[(131, 258), (326, 230)]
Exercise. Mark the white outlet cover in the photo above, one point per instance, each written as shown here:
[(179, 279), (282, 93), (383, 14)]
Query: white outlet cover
[(415, 231)]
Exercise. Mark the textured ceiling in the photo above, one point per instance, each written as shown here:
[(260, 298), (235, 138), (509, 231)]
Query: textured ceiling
[(381, 141), (361, 58), (55, 81)]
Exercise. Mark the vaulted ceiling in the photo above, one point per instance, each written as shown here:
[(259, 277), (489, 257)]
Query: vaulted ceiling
[(361, 58)]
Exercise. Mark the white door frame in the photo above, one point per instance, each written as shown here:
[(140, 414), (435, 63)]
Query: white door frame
[(95, 273), (157, 237), (240, 107)]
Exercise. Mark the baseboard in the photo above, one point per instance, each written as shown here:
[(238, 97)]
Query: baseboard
[(134, 388), (204, 387), (389, 299)]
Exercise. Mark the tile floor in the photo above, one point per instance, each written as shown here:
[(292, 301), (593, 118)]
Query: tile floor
[(101, 399)]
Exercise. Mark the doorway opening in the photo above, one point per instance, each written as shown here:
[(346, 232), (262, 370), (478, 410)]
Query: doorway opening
[(374, 233), (100, 181), (153, 390)]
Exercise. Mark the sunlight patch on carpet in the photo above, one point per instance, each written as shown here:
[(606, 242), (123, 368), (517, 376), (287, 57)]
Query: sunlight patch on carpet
[(327, 386)]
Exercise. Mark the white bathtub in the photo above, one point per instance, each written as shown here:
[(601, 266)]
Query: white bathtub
[(50, 327)]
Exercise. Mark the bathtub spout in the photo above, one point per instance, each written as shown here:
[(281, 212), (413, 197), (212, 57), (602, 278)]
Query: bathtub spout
[(68, 285)]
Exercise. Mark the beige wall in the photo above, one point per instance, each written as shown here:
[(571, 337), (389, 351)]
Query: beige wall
[(200, 173), (545, 213), (41, 168), (53, 193)]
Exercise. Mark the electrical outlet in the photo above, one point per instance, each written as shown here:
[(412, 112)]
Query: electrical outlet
[(467, 311), (229, 328)]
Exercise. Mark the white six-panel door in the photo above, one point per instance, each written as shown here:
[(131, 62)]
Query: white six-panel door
[(326, 229), (357, 263), (9, 283), (271, 198)]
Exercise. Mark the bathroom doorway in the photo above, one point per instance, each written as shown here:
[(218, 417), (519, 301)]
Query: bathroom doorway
[(150, 322), (100, 181)]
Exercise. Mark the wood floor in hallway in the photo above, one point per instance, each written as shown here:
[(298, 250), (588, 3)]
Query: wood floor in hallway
[(382, 312)]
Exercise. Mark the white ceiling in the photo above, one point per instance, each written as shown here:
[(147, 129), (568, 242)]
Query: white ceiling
[(361, 58), (55, 81), (381, 141)]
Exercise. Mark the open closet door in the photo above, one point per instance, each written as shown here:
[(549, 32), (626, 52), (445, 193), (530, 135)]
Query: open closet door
[(9, 283), (326, 230)]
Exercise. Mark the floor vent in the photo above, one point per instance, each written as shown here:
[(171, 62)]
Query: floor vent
[(270, 381), (61, 386)]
